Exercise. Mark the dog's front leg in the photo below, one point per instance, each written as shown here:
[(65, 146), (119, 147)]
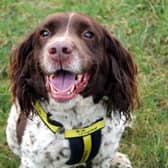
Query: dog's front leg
[(120, 160)]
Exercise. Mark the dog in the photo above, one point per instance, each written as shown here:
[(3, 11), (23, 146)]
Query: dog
[(74, 87)]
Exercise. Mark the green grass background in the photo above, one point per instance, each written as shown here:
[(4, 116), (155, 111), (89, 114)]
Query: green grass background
[(142, 26)]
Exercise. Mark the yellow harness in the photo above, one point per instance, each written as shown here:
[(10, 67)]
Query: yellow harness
[(84, 142)]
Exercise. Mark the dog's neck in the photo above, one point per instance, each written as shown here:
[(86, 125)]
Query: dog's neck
[(79, 112)]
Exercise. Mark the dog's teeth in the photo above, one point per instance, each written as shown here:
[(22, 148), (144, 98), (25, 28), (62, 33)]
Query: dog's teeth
[(51, 87), (72, 89), (79, 77), (53, 90), (69, 93)]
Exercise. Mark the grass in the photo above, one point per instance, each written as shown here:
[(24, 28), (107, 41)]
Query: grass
[(142, 26)]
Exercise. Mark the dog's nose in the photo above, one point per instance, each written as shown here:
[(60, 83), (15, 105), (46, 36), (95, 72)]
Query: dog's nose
[(60, 50)]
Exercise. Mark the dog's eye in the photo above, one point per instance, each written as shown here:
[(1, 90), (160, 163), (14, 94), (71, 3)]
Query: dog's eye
[(88, 35), (44, 33)]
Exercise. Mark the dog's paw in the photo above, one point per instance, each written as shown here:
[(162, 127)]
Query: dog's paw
[(121, 160)]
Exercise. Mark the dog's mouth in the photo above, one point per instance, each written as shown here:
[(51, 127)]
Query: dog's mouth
[(65, 85)]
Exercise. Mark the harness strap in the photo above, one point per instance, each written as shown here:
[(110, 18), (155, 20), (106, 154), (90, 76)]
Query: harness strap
[(43, 115), (87, 148), (99, 124), (84, 149)]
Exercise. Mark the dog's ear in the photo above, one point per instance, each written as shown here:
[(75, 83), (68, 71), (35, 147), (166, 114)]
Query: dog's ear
[(24, 74), (18, 68), (121, 84)]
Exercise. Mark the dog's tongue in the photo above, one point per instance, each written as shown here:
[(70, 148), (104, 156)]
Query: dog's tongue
[(63, 80)]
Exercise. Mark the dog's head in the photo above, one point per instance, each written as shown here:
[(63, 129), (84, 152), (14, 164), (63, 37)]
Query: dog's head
[(70, 54)]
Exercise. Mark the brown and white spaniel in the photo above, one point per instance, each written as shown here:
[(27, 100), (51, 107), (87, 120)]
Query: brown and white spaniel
[(73, 86)]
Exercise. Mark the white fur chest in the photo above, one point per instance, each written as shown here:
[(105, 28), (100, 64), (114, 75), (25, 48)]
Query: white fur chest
[(42, 148)]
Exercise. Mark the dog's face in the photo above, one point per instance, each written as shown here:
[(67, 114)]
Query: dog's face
[(69, 45), (70, 54)]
